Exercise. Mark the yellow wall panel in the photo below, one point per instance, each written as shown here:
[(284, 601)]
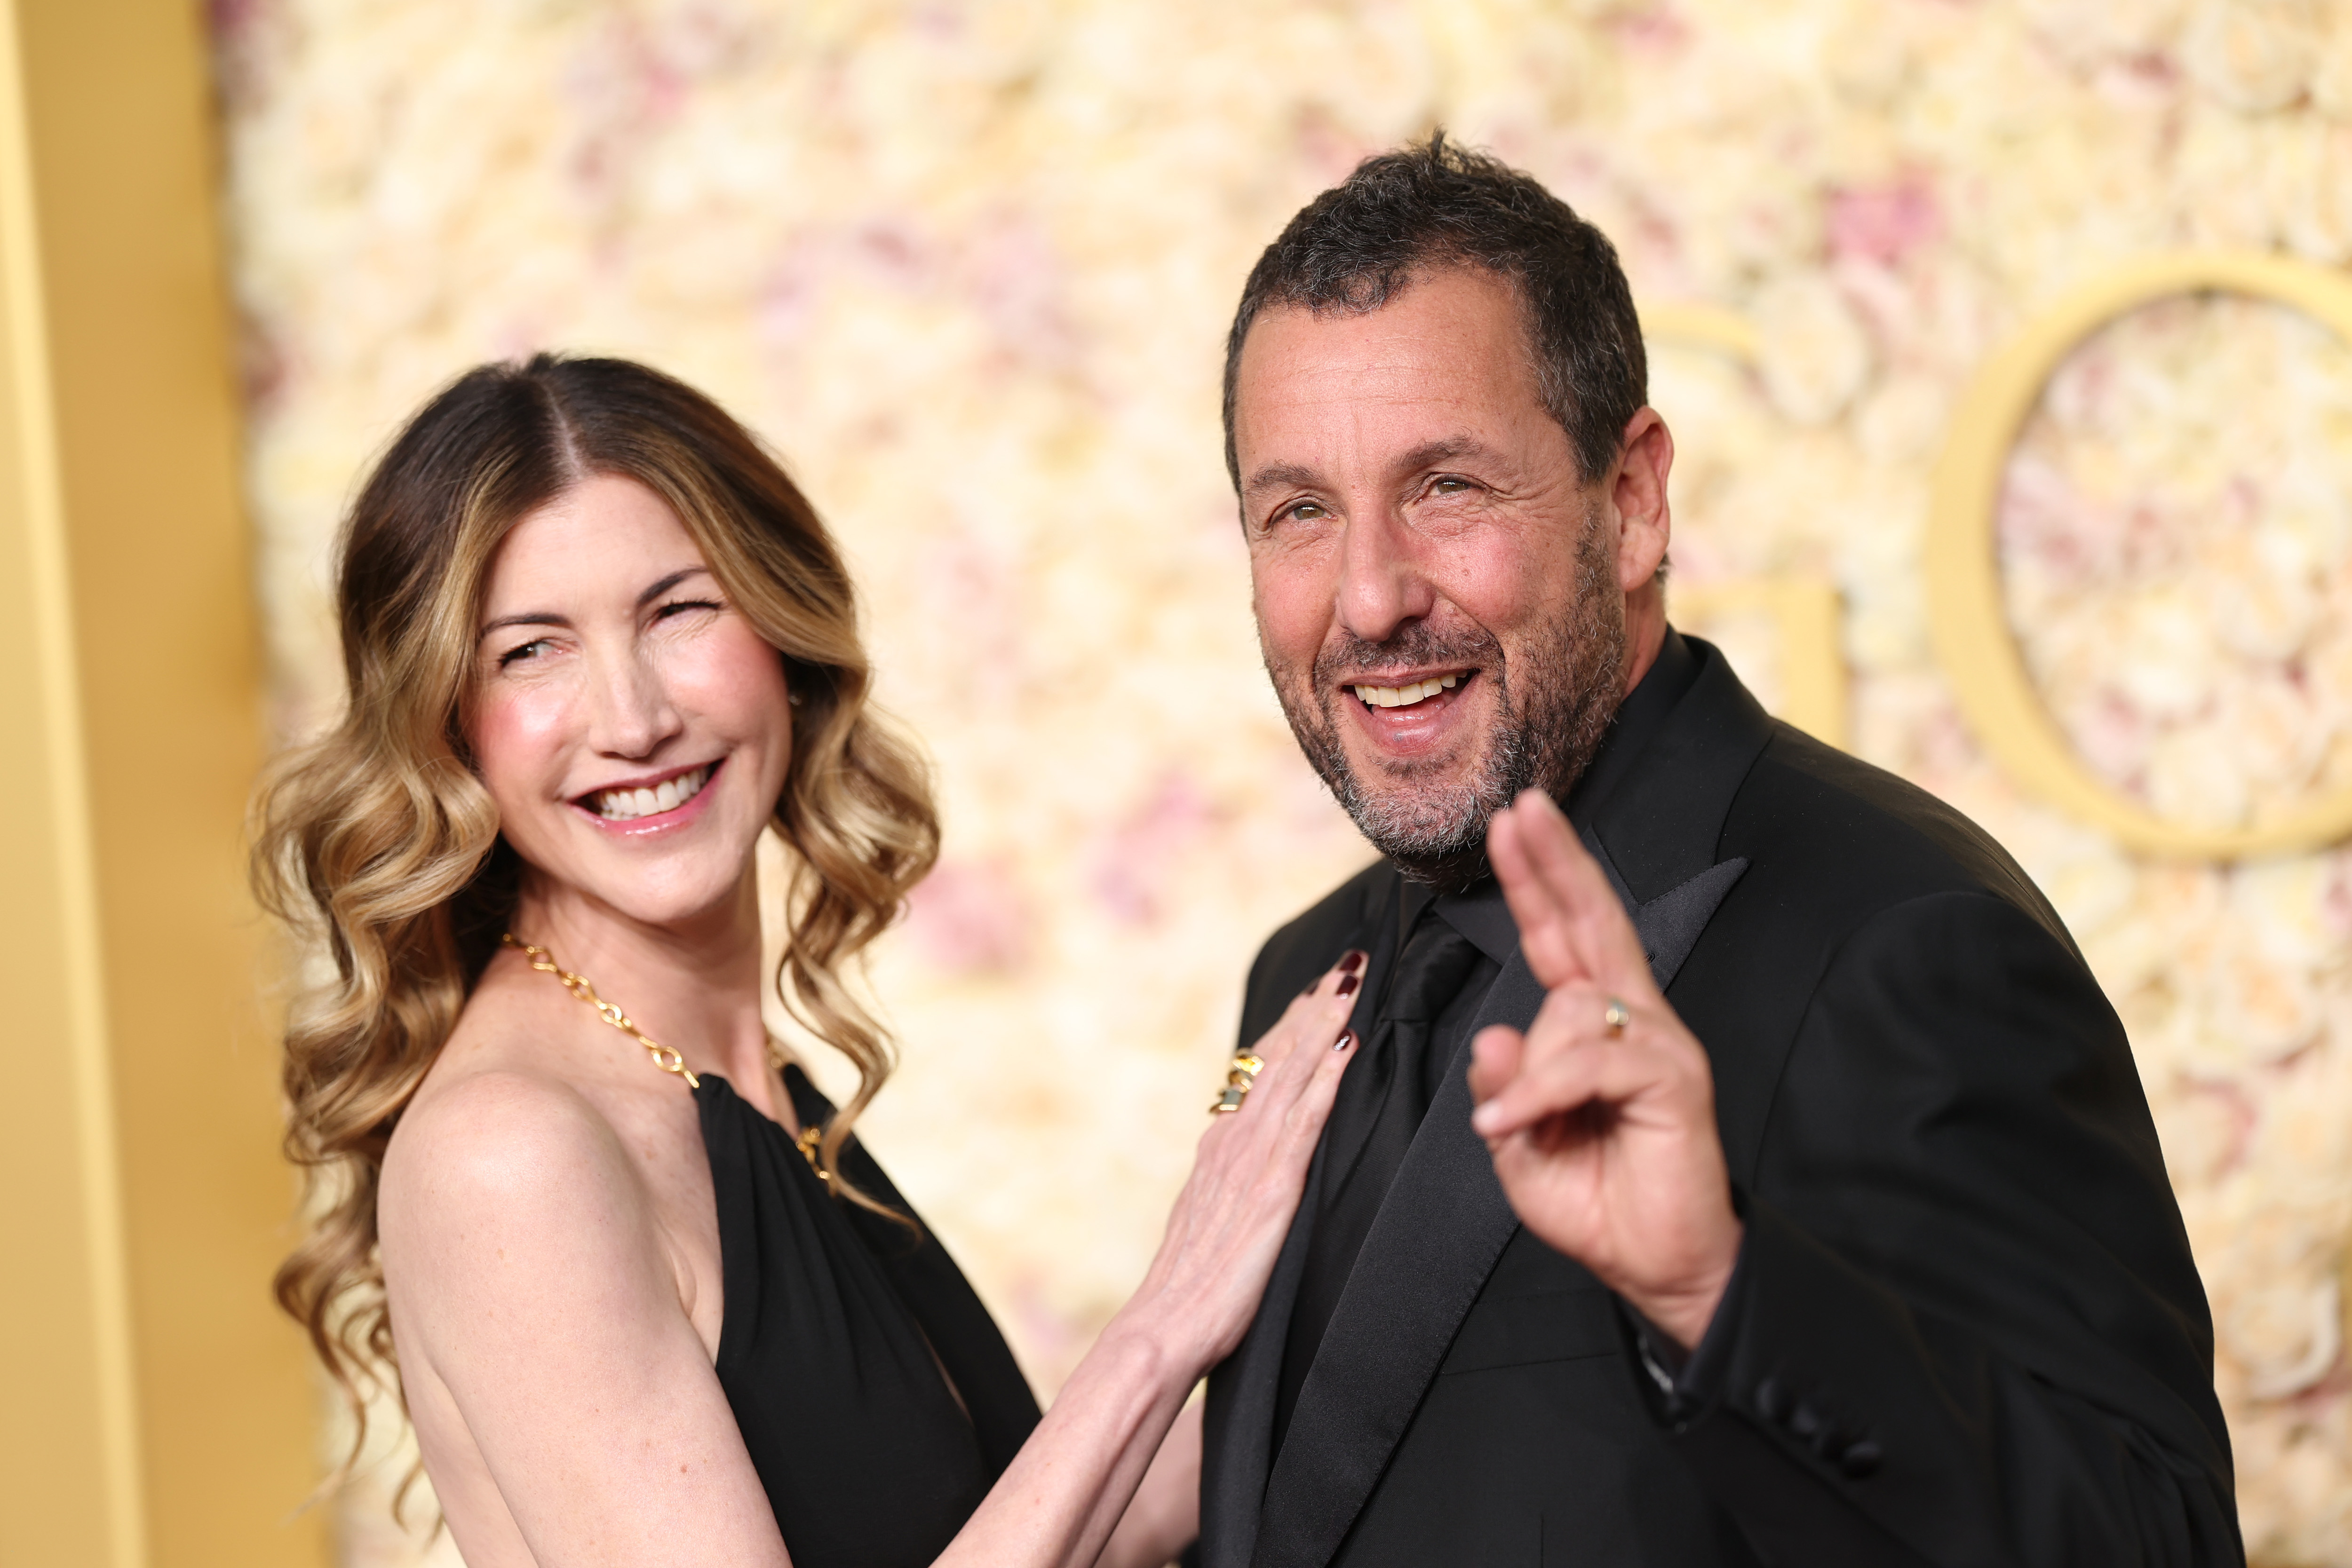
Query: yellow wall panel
[(154, 634), (68, 1462)]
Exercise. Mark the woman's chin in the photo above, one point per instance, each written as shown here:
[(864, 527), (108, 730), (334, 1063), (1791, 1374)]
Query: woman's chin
[(690, 897)]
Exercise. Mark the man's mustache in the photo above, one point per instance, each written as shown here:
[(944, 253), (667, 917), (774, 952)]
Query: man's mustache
[(1416, 646)]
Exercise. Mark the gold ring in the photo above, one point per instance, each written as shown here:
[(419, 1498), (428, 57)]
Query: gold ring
[(1238, 1080), (1616, 1016)]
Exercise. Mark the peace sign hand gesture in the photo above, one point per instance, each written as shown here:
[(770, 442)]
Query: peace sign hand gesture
[(1601, 1118)]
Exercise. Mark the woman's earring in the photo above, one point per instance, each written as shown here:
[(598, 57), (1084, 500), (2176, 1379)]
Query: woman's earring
[(793, 698)]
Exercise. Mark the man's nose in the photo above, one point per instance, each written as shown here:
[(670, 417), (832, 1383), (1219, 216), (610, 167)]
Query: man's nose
[(1381, 584), (632, 712)]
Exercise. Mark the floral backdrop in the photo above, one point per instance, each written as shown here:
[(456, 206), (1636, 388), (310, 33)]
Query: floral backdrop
[(967, 267)]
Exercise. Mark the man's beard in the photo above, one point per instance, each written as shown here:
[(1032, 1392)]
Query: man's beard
[(1552, 707)]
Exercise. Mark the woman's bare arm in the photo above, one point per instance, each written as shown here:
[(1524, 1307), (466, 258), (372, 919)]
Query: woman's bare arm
[(535, 1298), (1165, 1517), (1057, 1503)]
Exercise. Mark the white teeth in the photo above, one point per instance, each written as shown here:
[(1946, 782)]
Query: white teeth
[(629, 805), (1405, 697)]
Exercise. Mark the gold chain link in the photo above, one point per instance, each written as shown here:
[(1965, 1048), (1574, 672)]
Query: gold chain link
[(664, 1057)]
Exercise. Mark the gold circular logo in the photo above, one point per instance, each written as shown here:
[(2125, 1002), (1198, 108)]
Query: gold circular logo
[(1966, 613)]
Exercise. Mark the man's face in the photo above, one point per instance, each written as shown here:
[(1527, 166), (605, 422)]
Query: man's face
[(1440, 600)]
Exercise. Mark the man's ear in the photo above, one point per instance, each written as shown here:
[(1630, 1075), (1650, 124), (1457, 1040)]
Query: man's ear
[(1637, 495)]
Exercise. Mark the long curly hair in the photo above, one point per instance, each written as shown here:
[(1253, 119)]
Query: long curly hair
[(378, 844)]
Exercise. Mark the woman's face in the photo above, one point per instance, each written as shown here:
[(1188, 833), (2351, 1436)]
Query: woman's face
[(633, 728)]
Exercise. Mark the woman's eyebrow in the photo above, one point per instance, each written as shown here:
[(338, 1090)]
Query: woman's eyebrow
[(667, 583), (549, 618), (528, 618)]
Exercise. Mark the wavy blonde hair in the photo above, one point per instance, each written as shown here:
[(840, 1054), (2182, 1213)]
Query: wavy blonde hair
[(380, 844)]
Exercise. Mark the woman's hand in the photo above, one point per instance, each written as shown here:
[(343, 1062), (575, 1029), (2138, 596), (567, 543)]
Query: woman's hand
[(1228, 1224), (1056, 1503)]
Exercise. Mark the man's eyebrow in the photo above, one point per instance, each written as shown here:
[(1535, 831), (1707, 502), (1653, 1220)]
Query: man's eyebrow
[(1436, 453), (1428, 455), (549, 618), (1282, 475)]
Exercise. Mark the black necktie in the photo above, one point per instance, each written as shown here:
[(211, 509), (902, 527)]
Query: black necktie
[(1375, 1117), (1382, 1100)]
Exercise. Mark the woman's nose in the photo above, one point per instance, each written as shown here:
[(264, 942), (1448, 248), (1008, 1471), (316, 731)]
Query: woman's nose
[(632, 712)]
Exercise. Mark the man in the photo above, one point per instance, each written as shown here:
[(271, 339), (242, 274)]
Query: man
[(1818, 1217)]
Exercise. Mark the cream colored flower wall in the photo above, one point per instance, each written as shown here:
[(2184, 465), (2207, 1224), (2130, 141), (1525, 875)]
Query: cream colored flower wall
[(967, 267)]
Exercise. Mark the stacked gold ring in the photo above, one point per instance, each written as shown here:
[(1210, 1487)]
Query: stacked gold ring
[(1244, 1072)]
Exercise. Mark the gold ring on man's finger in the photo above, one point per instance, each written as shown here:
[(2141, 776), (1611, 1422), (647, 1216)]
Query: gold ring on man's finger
[(1615, 1017), (1238, 1079)]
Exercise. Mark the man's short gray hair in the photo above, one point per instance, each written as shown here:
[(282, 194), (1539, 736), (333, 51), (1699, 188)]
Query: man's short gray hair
[(1435, 205)]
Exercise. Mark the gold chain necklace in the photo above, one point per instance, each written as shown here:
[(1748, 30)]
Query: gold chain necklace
[(664, 1057)]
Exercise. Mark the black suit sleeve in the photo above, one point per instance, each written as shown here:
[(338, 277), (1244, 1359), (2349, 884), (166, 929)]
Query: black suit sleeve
[(1965, 1327)]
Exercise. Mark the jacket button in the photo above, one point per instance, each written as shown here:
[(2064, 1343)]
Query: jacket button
[(1860, 1460), (1805, 1421), (1772, 1400)]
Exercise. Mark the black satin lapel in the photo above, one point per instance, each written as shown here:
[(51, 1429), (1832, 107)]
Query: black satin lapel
[(1423, 1263), (1669, 923), (1663, 818), (1599, 852), (1237, 1438)]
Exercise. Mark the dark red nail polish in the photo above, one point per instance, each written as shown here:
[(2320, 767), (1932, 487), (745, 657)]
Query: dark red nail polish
[(1347, 984), (1352, 962), (1347, 1037)]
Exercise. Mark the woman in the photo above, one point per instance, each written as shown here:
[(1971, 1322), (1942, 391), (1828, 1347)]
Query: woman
[(650, 1302)]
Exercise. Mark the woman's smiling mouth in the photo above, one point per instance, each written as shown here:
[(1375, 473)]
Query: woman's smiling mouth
[(628, 804)]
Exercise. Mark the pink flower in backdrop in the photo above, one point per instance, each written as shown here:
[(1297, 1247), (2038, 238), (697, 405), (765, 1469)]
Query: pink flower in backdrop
[(1654, 31), (1017, 282), (1137, 859), (1885, 223), (968, 917), (2045, 522)]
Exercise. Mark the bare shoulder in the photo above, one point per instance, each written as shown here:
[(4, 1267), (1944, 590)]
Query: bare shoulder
[(499, 1134), (502, 1119), (501, 1176)]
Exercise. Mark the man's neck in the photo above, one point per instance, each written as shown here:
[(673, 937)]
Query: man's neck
[(1645, 630)]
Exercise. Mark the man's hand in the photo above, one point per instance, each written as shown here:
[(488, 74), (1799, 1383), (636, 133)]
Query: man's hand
[(1605, 1136)]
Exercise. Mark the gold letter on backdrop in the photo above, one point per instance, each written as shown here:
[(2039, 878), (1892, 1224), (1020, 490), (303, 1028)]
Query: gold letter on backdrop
[(1804, 615), (1970, 621), (1803, 610)]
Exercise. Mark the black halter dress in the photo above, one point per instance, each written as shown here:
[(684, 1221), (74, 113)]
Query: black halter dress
[(838, 1325)]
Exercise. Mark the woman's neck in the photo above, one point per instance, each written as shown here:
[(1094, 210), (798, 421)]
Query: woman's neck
[(693, 984)]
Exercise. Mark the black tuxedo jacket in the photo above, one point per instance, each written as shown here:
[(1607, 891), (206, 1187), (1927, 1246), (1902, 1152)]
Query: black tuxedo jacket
[(1965, 1327)]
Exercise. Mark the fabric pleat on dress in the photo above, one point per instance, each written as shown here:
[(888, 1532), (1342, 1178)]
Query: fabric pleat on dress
[(875, 1394)]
